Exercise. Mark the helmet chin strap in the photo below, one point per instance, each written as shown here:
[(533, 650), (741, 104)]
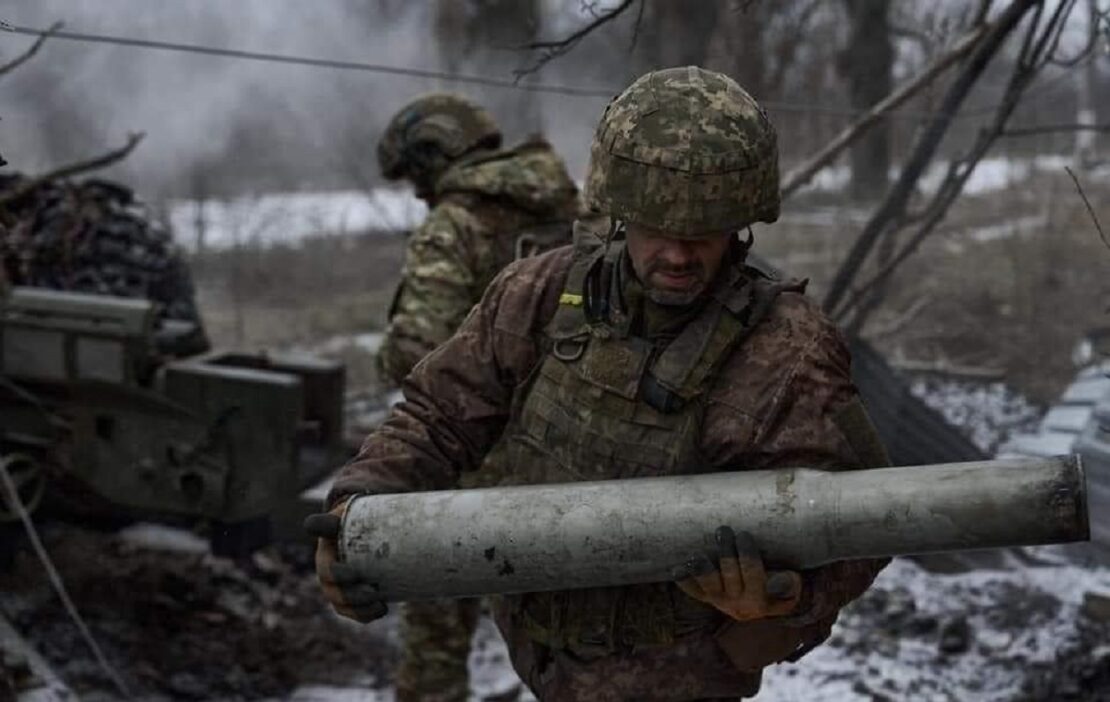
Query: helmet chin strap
[(616, 229), (739, 248)]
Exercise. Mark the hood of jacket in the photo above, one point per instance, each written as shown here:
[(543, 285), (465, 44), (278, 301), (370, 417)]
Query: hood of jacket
[(531, 177)]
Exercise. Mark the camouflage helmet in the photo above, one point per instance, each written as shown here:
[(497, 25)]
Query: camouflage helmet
[(451, 123), (687, 151)]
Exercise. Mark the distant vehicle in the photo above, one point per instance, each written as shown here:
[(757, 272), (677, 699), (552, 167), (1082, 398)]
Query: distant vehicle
[(99, 415)]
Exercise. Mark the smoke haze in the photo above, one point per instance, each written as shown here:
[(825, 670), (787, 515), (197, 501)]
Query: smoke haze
[(219, 125)]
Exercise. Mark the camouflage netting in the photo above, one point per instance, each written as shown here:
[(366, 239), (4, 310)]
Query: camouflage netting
[(93, 236)]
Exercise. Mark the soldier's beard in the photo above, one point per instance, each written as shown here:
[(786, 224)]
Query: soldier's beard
[(675, 297)]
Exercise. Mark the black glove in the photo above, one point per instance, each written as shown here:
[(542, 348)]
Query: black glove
[(350, 594)]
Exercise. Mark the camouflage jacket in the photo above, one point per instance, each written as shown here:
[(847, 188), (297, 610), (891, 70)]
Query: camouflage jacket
[(772, 405), (483, 206)]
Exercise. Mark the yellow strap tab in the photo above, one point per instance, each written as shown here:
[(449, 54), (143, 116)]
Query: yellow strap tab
[(570, 299)]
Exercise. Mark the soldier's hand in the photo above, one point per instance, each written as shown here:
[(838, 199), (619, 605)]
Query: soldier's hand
[(738, 584), (350, 594)]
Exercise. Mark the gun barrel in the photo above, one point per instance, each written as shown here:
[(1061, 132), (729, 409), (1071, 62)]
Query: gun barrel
[(594, 534)]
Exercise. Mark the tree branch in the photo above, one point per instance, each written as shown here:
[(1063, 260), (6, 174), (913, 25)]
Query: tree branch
[(896, 200), (786, 49), (29, 53), (1096, 18), (636, 27), (553, 49), (1090, 210), (801, 175), (917, 36), (1055, 128), (1035, 54), (902, 320), (73, 169), (982, 11)]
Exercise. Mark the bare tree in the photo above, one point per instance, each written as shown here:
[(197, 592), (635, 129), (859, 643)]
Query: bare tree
[(30, 52), (1039, 47), (671, 35), (480, 32), (547, 50), (72, 169), (803, 173), (867, 64)]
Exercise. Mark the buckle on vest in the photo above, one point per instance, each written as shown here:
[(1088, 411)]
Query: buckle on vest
[(569, 349), (660, 398)]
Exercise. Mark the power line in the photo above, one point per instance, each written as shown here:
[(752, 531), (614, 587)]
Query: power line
[(318, 62), (575, 91), (447, 76)]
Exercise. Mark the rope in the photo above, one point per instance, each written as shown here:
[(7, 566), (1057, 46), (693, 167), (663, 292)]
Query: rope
[(56, 579)]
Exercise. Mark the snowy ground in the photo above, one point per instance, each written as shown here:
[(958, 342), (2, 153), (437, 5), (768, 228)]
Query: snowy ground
[(990, 175), (990, 635), (983, 635), (988, 412), (290, 217)]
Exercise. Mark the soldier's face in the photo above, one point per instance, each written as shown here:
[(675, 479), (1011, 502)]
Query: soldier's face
[(675, 271)]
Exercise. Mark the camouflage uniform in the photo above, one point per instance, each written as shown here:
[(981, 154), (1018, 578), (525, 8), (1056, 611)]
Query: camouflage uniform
[(587, 378), (488, 207)]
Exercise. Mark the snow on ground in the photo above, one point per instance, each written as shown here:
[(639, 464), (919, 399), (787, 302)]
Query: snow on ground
[(982, 635), (159, 537), (990, 175), (291, 217), (988, 412), (336, 693), (370, 342)]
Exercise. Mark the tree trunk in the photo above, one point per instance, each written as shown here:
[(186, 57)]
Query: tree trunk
[(893, 207), (478, 35), (672, 34), (866, 64)]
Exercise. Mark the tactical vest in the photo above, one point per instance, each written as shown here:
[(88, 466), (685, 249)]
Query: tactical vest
[(606, 404)]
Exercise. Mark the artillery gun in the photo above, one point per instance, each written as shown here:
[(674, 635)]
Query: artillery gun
[(100, 413)]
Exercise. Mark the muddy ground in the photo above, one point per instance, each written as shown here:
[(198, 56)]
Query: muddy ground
[(182, 624)]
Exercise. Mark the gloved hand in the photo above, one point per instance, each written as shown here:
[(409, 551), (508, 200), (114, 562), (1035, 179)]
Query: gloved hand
[(348, 593), (738, 584)]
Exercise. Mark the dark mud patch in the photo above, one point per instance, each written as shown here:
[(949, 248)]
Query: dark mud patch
[(187, 626)]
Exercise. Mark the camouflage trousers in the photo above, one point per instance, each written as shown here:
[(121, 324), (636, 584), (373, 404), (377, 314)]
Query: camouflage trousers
[(436, 634), (435, 640), (693, 669)]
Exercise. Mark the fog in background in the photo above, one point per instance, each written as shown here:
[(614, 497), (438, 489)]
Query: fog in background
[(219, 126), (228, 125)]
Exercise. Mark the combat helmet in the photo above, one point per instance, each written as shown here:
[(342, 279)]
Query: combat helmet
[(449, 124), (687, 151)]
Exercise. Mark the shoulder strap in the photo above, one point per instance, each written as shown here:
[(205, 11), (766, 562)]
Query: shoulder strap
[(685, 367), (570, 319)]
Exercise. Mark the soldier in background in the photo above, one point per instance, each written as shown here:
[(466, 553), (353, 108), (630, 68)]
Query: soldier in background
[(488, 207)]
